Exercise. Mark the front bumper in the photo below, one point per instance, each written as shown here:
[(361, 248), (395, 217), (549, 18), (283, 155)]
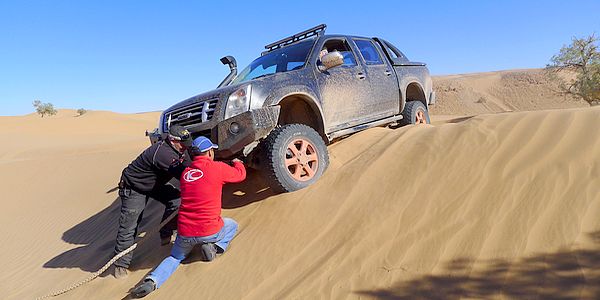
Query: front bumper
[(235, 133), (251, 126)]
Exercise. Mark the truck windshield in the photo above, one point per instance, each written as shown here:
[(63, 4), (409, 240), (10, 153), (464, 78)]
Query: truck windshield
[(281, 60)]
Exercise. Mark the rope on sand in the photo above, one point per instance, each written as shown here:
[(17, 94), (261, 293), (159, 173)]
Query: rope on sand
[(107, 265)]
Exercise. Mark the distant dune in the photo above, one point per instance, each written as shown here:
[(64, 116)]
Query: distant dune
[(502, 91), (490, 206)]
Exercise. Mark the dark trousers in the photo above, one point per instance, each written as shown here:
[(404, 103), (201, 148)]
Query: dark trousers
[(132, 208)]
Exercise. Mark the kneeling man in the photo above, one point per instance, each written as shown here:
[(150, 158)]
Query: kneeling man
[(199, 219)]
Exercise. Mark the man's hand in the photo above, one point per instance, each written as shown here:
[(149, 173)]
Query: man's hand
[(230, 162)]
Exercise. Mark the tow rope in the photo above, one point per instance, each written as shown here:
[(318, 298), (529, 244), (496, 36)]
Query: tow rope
[(109, 263)]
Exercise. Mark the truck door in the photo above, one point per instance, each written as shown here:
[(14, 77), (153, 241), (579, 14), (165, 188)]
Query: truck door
[(342, 89), (384, 94)]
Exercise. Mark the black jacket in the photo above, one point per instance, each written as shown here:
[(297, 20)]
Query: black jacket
[(155, 167)]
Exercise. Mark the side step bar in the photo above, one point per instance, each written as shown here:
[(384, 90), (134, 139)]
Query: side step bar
[(343, 132)]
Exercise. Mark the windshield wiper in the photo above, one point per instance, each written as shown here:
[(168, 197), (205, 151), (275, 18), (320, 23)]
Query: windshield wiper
[(261, 76)]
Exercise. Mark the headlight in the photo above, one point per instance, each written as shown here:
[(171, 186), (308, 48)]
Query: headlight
[(238, 102)]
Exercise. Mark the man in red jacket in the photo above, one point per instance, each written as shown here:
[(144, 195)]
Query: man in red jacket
[(199, 220)]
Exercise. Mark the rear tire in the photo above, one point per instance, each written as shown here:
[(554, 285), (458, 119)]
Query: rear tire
[(293, 156), (415, 112)]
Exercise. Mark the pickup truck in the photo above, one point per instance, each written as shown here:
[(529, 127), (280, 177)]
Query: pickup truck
[(304, 92)]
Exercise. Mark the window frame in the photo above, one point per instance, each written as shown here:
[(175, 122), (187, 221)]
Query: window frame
[(340, 38)]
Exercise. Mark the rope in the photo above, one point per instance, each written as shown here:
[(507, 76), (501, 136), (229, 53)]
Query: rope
[(107, 265)]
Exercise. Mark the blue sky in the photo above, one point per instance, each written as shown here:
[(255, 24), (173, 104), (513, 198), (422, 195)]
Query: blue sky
[(135, 56)]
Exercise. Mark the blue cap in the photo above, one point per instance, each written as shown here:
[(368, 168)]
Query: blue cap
[(203, 144)]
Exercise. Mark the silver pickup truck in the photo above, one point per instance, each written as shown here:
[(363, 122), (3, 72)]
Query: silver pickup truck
[(304, 92)]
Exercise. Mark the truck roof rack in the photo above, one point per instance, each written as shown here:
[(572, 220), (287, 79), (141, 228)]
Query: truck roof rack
[(315, 31)]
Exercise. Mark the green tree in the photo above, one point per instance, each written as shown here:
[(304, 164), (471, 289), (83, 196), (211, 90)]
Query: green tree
[(44, 108), (582, 58)]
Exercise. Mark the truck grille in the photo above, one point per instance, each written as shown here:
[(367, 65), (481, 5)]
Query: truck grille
[(193, 114)]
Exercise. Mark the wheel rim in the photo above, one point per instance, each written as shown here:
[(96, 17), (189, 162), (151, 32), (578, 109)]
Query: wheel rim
[(420, 117), (301, 160)]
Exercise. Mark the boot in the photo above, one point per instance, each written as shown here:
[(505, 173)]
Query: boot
[(120, 272), (148, 286), (209, 250)]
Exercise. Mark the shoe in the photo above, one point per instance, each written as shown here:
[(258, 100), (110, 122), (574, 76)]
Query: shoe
[(209, 250), (148, 286), (165, 240), (120, 272)]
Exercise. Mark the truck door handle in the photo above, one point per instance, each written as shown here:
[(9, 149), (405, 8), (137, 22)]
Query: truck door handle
[(387, 73), (361, 75)]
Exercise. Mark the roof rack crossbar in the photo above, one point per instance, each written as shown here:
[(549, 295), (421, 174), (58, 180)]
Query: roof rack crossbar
[(317, 30)]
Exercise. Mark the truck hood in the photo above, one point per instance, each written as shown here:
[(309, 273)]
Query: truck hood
[(216, 93), (260, 88)]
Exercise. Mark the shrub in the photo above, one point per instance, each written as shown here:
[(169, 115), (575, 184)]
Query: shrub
[(44, 108), (582, 58)]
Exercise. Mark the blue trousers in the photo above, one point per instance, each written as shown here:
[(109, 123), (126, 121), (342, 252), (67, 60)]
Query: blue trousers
[(184, 245)]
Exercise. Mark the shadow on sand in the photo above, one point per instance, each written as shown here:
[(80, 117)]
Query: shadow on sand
[(557, 275), (97, 233), (461, 119), (253, 189)]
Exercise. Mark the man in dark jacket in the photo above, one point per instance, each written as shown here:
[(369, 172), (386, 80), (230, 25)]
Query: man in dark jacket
[(147, 177)]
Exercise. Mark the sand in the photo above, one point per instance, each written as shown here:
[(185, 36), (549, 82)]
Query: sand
[(502, 91), (497, 205)]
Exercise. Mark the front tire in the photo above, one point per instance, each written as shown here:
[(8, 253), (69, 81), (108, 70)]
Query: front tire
[(415, 112), (294, 156)]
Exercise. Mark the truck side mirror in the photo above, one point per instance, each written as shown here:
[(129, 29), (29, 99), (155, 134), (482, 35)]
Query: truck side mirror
[(330, 60)]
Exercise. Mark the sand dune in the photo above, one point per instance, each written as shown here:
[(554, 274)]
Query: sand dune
[(492, 92), (496, 205)]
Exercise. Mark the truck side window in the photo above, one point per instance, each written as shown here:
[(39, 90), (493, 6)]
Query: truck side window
[(368, 52), (343, 48), (394, 53), (391, 51)]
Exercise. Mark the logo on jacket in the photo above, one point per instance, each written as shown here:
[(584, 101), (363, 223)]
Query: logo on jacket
[(193, 175)]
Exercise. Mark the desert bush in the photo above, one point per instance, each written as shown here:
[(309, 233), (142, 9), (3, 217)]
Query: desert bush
[(581, 57), (44, 108), (81, 111)]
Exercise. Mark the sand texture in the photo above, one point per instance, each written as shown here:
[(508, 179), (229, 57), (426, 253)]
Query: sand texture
[(497, 205)]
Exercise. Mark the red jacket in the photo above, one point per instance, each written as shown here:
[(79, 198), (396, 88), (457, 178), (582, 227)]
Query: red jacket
[(201, 188)]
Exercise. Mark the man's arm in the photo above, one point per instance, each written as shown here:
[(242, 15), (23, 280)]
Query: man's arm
[(177, 168), (169, 161), (232, 174)]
